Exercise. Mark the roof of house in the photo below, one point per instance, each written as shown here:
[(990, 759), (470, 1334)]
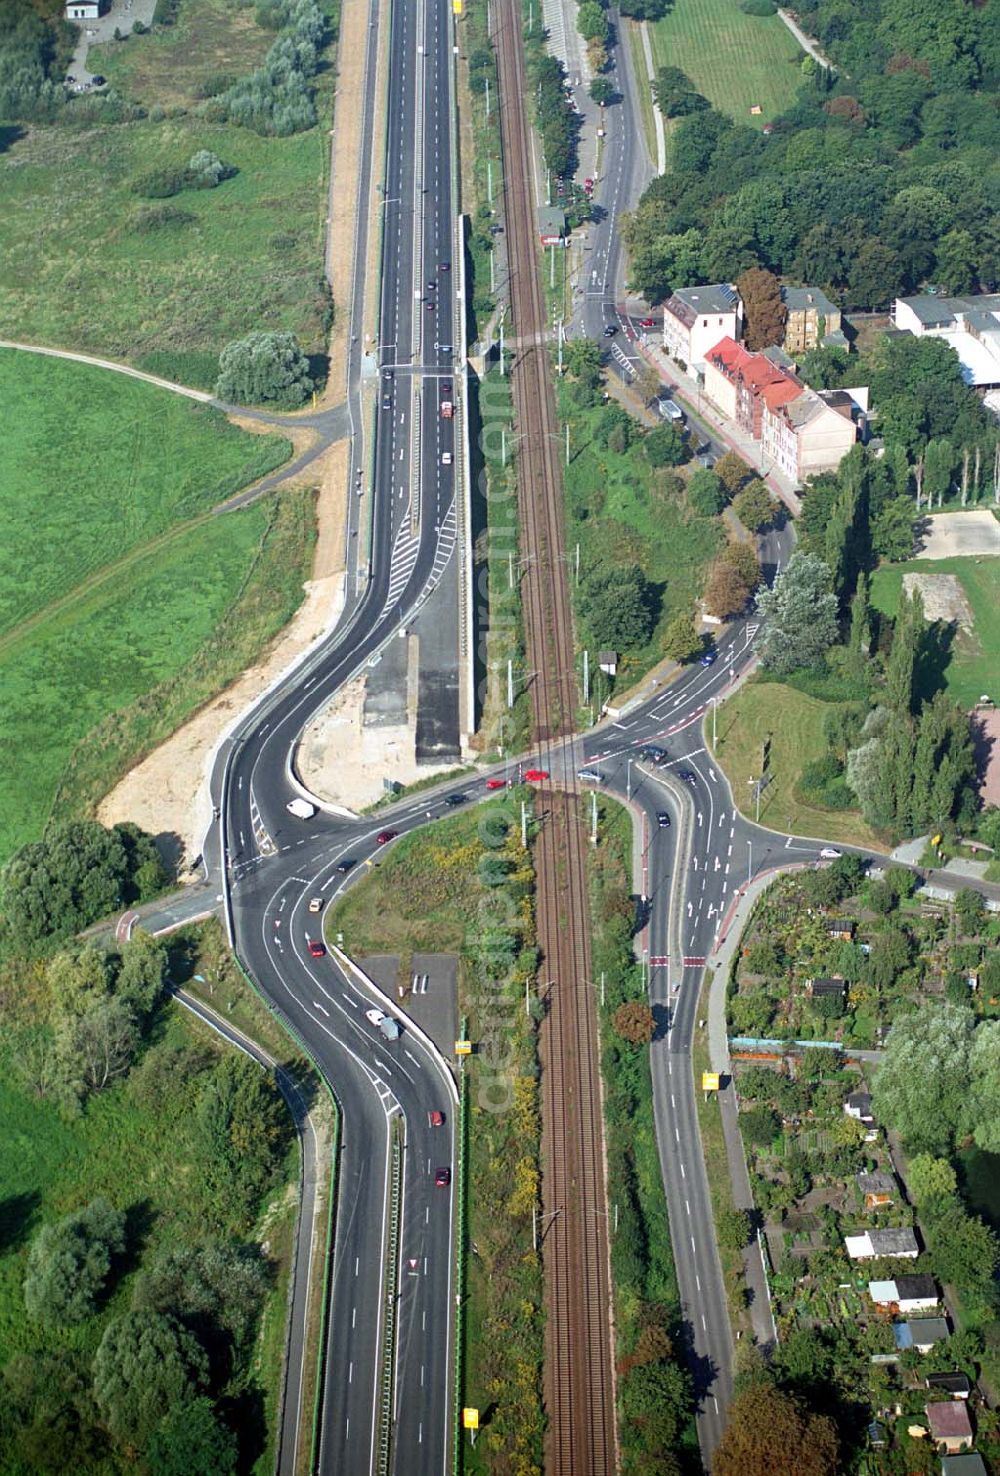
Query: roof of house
[(882, 1292), (783, 395), (898, 1242), (807, 299), (714, 297), (949, 1420), (861, 1100), (840, 925), (928, 1329), (954, 1383), (778, 357), (915, 1288), (551, 219), (827, 986), (877, 1183), (970, 1463)]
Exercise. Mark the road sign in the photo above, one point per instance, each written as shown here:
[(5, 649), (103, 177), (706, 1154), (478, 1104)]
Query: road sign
[(710, 1081), (470, 1419), (463, 1048)]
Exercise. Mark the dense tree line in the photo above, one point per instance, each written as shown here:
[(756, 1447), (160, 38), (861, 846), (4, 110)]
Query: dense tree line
[(555, 119), (33, 54), (277, 98), (877, 179)]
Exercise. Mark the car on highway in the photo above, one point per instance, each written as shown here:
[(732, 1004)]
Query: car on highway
[(647, 322), (455, 799), (316, 904), (432, 286), (446, 388), (442, 1178), (496, 784), (430, 304), (446, 458), (830, 853), (534, 775), (387, 402), (436, 1118), (709, 657), (444, 266), (375, 1016), (610, 330), (384, 837), (663, 819), (316, 949), (346, 865)]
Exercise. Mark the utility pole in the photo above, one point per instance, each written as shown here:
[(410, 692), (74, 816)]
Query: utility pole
[(502, 370), (510, 682), (567, 443), (593, 820), (586, 674), (489, 183), (510, 570), (578, 564), (628, 780), (560, 329), (503, 445), (487, 99)]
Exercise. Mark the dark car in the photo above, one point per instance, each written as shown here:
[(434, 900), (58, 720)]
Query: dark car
[(687, 777), (444, 266), (709, 657), (387, 402), (346, 865), (652, 755), (496, 230), (443, 1178), (99, 81), (610, 331), (429, 305), (387, 375), (663, 819), (384, 837), (455, 799)]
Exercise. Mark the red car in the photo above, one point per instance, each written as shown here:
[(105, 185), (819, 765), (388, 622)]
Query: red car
[(437, 1119), (443, 1178), (496, 784), (384, 837), (647, 322), (316, 948), (533, 775)]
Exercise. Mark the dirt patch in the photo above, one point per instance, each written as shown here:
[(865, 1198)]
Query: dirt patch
[(960, 534), (345, 763), (944, 599), (344, 165), (168, 791)]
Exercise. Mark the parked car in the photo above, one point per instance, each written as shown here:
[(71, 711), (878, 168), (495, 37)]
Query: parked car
[(316, 949), (590, 776), (384, 837), (647, 322), (99, 81)]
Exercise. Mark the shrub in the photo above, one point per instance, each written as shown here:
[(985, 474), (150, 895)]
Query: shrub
[(68, 1264), (264, 369), (705, 493), (160, 184)]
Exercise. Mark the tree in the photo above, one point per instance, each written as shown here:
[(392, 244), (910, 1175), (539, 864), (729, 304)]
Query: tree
[(146, 1368), (142, 978), (906, 638), (754, 506), (676, 95), (705, 492), (929, 1179), (591, 21), (244, 1126), (666, 446), (799, 616), (760, 1125), (634, 1022), (192, 1441), (264, 369), (766, 314), (892, 531), (602, 91), (890, 953), (96, 1048), (214, 1289), (743, 558), (79, 978), (922, 1085), (732, 472), (824, 368), (957, 266), (732, 1228), (771, 1433), (726, 591), (54, 887), (582, 358), (965, 1250), (682, 640), (970, 909), (617, 607), (69, 1262)]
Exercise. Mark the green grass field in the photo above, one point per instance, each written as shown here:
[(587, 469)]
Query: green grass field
[(84, 479), (794, 724), (124, 602), (89, 264), (973, 661), (737, 61)]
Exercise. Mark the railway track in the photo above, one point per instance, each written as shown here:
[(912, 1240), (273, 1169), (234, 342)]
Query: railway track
[(579, 1364)]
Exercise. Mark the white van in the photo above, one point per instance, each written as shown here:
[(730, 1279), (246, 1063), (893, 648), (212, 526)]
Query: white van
[(301, 809)]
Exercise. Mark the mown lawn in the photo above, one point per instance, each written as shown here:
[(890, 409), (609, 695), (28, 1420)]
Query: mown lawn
[(793, 724), (970, 664), (737, 61), (89, 264), (95, 465)]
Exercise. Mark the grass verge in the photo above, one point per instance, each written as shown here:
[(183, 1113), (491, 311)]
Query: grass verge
[(430, 891), (968, 661), (654, 1409), (762, 712), (737, 61)]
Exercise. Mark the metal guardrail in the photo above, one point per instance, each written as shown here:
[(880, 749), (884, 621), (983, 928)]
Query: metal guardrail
[(384, 1444)]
